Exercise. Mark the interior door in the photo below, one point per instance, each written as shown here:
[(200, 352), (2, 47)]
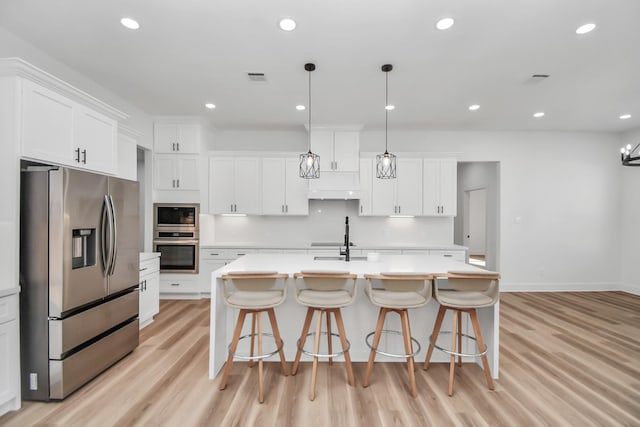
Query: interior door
[(75, 261), (125, 274)]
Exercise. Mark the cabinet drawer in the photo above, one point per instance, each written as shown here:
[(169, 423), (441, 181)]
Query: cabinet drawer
[(178, 285), (149, 266), (456, 255), (226, 254), (8, 308)]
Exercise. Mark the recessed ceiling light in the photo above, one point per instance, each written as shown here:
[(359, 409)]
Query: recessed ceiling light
[(287, 24), (210, 105), (474, 107), (390, 107), (131, 24), (445, 23), (300, 107), (625, 116), (586, 28), (538, 114)]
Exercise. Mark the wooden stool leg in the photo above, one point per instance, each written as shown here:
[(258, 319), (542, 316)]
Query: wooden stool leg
[(374, 345), (260, 361), (232, 350), (408, 349), (452, 363), (276, 335), (485, 362), (343, 340), (253, 334), (303, 339), (460, 337), (434, 335), (329, 346), (316, 350)]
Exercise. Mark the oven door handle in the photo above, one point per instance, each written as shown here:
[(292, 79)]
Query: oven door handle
[(180, 242)]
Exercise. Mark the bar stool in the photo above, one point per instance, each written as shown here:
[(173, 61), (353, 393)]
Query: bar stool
[(324, 292), (399, 293), (466, 292), (254, 292)]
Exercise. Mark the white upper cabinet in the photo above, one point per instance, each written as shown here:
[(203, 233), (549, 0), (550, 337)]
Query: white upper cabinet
[(440, 186), (127, 157), (176, 138), (399, 196), (339, 151), (58, 130), (283, 191), (176, 172), (234, 185)]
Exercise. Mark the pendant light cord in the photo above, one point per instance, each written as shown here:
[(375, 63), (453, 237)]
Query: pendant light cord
[(386, 111), (309, 133)]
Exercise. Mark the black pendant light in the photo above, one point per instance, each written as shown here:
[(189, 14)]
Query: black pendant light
[(309, 162), (630, 157), (386, 162)]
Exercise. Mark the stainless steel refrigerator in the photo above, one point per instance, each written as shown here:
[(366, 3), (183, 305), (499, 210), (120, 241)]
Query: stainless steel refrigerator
[(79, 262)]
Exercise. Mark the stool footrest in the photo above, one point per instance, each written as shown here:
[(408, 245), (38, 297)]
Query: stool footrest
[(389, 331), (259, 356), (308, 353), (454, 353)]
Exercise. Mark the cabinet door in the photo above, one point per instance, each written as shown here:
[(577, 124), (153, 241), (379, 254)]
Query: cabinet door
[(247, 185), (448, 187), (127, 158), (346, 151), (187, 172), (96, 137), (409, 186), (431, 187), (221, 190), (383, 197), (366, 181), (47, 125), (165, 173), (322, 145), (206, 268), (165, 138), (188, 139), (174, 283), (9, 364), (296, 189), (273, 186)]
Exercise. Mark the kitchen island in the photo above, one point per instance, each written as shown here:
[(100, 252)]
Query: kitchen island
[(359, 318)]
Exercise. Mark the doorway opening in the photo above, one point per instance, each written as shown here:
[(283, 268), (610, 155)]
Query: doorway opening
[(475, 225)]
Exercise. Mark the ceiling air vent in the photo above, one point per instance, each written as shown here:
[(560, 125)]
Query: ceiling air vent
[(257, 77), (537, 78)]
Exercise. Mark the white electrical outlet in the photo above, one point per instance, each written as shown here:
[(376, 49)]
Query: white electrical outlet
[(33, 381)]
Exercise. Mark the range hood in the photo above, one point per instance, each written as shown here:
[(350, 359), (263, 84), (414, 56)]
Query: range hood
[(335, 185)]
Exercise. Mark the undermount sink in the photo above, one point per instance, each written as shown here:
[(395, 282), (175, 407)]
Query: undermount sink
[(339, 258)]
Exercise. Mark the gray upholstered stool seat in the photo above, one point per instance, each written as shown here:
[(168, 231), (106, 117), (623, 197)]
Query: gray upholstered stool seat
[(254, 292), (324, 292), (397, 292), (464, 293)]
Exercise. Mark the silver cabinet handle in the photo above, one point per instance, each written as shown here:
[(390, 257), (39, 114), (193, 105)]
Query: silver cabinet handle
[(360, 208), (286, 208), (143, 269), (175, 284), (212, 254), (173, 146), (84, 157), (178, 146), (77, 151), (178, 183)]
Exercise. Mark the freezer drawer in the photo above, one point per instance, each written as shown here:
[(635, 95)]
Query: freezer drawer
[(68, 333), (69, 374)]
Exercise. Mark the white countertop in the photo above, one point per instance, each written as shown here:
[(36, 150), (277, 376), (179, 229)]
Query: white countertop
[(254, 245), (292, 263)]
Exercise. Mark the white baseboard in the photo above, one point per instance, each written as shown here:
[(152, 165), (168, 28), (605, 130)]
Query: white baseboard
[(632, 289)]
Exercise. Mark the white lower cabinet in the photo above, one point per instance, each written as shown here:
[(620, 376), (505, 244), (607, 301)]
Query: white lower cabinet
[(9, 355), (179, 286), (149, 290), (212, 259)]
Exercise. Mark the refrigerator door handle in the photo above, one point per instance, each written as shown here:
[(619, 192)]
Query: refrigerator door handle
[(106, 236), (114, 237)]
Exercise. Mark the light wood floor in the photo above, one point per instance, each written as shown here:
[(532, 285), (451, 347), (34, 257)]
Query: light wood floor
[(566, 359)]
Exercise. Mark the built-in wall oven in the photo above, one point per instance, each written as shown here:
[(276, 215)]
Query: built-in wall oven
[(176, 236)]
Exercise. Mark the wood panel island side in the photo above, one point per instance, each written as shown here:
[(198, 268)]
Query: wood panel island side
[(359, 318)]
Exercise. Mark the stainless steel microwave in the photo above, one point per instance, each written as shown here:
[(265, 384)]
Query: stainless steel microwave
[(176, 217)]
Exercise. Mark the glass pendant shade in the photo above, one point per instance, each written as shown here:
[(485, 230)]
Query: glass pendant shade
[(386, 165), (309, 165), (309, 162)]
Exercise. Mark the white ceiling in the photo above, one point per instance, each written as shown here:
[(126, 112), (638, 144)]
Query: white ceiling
[(189, 52)]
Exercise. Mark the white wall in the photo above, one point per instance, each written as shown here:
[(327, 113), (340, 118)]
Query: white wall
[(629, 218)]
